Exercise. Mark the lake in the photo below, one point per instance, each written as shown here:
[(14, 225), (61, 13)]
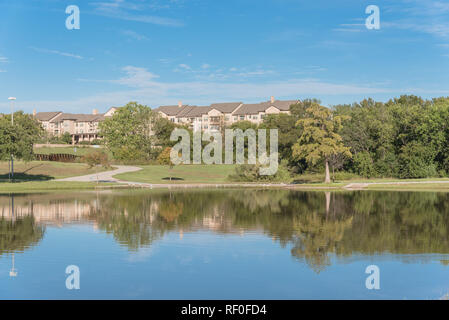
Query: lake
[(225, 244)]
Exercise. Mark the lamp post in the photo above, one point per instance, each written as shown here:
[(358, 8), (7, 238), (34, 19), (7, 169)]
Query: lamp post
[(11, 168)]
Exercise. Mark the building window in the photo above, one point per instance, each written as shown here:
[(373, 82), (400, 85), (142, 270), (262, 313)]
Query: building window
[(242, 117), (235, 118)]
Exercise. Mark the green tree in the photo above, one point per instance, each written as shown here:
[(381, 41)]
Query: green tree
[(66, 138), (319, 139), (162, 131), (18, 139), (128, 133)]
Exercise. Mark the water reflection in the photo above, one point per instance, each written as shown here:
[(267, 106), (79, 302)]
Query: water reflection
[(314, 225)]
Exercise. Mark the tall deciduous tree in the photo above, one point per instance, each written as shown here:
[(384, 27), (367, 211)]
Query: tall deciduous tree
[(319, 140), (128, 133)]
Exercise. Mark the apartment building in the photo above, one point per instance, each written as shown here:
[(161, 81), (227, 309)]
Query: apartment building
[(82, 127), (85, 127), (220, 115)]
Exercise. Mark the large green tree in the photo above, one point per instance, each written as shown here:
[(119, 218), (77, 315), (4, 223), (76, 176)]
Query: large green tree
[(18, 138), (128, 133), (319, 140)]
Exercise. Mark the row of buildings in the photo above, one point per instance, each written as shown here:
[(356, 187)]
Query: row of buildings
[(85, 127)]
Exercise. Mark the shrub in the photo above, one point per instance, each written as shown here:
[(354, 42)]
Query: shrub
[(66, 138), (164, 157), (96, 158), (250, 173)]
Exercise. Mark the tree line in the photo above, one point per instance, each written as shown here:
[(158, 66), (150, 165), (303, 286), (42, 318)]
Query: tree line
[(405, 137)]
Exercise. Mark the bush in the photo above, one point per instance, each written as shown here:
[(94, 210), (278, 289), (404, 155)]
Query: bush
[(251, 173), (66, 138), (96, 142), (164, 157), (96, 158)]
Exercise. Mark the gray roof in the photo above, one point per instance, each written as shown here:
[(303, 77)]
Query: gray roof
[(187, 111), (227, 107), (79, 117), (198, 111), (46, 116), (261, 107), (250, 109), (170, 110), (184, 111), (283, 105)]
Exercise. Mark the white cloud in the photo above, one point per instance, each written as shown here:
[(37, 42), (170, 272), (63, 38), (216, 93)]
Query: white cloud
[(183, 67), (125, 10), (136, 77), (65, 54), (3, 59), (134, 35), (435, 29), (142, 86), (205, 66)]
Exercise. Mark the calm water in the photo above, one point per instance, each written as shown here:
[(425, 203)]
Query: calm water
[(224, 244)]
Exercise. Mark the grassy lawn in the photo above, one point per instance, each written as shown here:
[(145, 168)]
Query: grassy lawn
[(180, 174), (44, 170), (42, 186), (80, 151)]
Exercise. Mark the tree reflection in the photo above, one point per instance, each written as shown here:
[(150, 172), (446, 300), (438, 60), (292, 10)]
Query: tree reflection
[(313, 225), (19, 235)]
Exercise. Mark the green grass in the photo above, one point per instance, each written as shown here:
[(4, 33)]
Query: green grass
[(444, 187), (44, 170), (80, 151), (42, 186), (180, 174)]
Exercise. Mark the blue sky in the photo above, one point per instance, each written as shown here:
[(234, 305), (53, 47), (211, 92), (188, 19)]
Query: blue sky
[(205, 51)]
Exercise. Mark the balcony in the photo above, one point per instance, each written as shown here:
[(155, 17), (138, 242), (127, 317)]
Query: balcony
[(216, 120)]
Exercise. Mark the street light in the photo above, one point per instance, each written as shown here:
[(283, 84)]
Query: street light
[(12, 99), (11, 168)]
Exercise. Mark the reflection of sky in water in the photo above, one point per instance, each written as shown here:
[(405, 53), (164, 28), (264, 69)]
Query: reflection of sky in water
[(206, 264)]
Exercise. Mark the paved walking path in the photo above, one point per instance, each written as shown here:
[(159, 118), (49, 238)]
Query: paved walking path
[(106, 176)]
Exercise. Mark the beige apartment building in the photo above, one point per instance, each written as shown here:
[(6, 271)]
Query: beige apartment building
[(220, 115), (82, 127), (85, 127)]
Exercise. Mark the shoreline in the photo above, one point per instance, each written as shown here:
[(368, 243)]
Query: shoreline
[(53, 185)]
